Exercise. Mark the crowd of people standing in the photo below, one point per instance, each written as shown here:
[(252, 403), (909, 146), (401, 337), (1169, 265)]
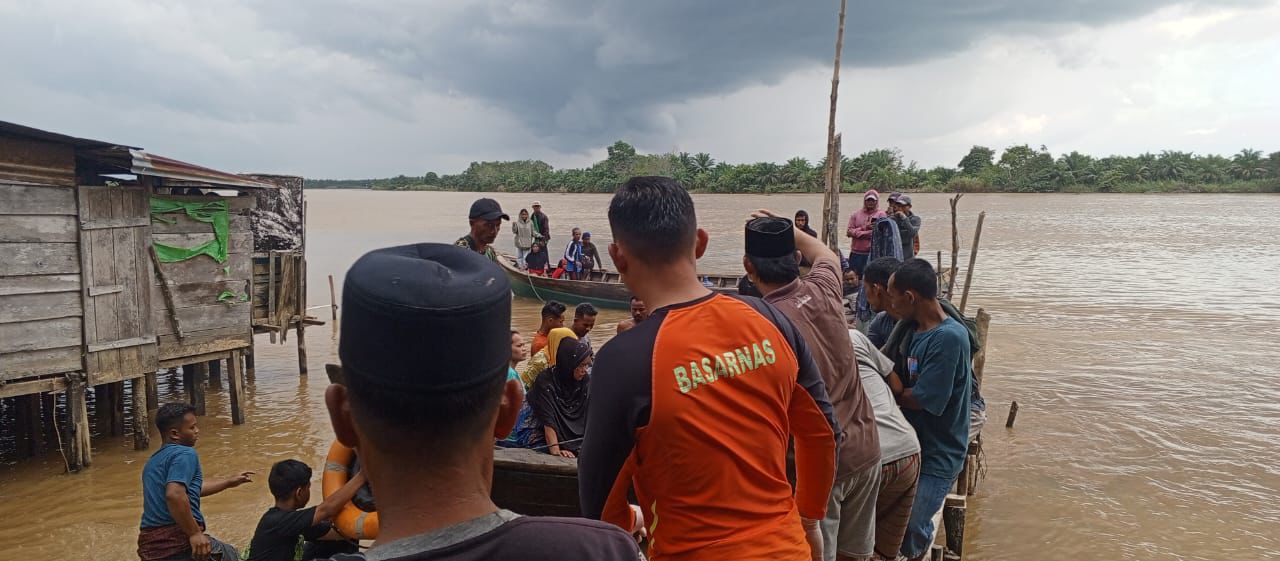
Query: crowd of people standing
[(682, 424)]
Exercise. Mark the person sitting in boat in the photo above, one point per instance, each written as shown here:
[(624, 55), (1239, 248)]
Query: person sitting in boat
[(590, 254), (558, 401), (536, 261), (426, 434), (546, 356)]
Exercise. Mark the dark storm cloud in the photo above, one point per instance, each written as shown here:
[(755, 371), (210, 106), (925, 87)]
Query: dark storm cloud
[(581, 73)]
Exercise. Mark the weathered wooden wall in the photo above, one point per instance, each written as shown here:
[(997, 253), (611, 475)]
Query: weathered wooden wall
[(41, 315), (36, 161), (280, 217), (207, 325), (119, 334)]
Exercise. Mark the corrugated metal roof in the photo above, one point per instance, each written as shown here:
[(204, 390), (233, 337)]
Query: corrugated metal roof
[(138, 162), (145, 163)]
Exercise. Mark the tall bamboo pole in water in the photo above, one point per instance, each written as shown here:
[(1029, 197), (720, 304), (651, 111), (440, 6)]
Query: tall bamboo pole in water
[(831, 200)]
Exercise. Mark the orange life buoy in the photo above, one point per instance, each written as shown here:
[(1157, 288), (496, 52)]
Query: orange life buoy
[(351, 522)]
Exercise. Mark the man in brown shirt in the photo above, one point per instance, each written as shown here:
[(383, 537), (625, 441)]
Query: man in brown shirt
[(813, 303)]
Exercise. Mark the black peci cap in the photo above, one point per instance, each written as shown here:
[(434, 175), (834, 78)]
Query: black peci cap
[(425, 318), (770, 237), (487, 209)]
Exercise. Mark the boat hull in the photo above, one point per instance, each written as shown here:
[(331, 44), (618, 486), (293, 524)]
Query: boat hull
[(604, 289)]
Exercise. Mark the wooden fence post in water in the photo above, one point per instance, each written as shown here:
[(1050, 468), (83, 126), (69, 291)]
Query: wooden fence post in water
[(236, 384), (248, 358), (1013, 415), (955, 247), (333, 299), (141, 414), (78, 424), (973, 256)]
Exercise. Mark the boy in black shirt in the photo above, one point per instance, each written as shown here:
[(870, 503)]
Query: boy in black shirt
[(286, 524)]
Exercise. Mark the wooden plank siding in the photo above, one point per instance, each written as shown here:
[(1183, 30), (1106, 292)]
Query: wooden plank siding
[(38, 259), (118, 279), (41, 312), (38, 229), (209, 326), (37, 161)]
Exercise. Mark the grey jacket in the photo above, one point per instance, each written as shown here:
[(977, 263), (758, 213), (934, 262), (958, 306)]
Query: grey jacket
[(523, 230), (908, 228)]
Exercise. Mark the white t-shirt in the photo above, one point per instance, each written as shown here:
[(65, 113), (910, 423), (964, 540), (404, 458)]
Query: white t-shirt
[(897, 437)]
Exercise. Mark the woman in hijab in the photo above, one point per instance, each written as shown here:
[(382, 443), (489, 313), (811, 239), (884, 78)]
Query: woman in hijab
[(558, 400), (802, 223), (545, 357)]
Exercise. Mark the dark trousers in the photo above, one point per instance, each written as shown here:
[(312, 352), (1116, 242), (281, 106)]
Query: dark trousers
[(858, 262)]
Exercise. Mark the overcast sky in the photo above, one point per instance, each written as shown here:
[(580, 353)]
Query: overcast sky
[(364, 88)]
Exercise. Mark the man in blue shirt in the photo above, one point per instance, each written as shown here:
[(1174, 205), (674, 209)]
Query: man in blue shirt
[(172, 525), (934, 397)]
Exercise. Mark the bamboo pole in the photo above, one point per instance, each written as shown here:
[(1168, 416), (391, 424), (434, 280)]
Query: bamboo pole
[(831, 200), (955, 246), (983, 320), (973, 257)]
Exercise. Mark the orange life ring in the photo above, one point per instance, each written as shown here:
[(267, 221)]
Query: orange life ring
[(351, 522)]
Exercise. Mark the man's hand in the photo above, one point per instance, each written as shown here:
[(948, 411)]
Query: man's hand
[(200, 546), (813, 535), (638, 529), (565, 454)]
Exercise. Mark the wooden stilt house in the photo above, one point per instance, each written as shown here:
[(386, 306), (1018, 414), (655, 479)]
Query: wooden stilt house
[(115, 263)]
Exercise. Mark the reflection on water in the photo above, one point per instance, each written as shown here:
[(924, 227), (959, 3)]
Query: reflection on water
[(1138, 334)]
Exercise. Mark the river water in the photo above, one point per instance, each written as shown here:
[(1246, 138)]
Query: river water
[(1138, 334)]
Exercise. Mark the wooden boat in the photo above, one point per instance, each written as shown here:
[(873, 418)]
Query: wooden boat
[(535, 483), (603, 289)]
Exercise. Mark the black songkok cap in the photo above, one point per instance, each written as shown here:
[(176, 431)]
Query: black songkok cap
[(425, 318), (770, 237)]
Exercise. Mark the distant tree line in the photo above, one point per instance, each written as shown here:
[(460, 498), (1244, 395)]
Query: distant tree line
[(1019, 169)]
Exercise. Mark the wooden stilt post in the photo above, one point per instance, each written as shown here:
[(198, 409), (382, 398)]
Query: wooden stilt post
[(26, 434), (301, 301), (973, 257), (141, 414), (953, 520), (193, 377), (1013, 415), (983, 319), (117, 408), (215, 374), (236, 385), (271, 292), (153, 392), (248, 359), (81, 455), (48, 408)]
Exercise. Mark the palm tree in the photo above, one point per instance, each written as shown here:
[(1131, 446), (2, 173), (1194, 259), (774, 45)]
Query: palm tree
[(1172, 165), (1248, 164), (703, 162)]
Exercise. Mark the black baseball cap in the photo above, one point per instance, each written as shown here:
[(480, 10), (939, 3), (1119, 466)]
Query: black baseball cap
[(409, 309), (487, 209)]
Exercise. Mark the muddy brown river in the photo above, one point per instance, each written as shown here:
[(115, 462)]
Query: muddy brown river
[(1138, 333)]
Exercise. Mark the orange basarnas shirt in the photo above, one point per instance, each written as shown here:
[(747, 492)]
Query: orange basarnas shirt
[(692, 410)]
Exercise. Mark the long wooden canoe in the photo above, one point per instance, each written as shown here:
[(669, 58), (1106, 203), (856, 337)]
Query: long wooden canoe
[(601, 288)]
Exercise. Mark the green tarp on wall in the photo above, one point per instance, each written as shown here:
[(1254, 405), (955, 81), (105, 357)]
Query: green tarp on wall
[(213, 212)]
